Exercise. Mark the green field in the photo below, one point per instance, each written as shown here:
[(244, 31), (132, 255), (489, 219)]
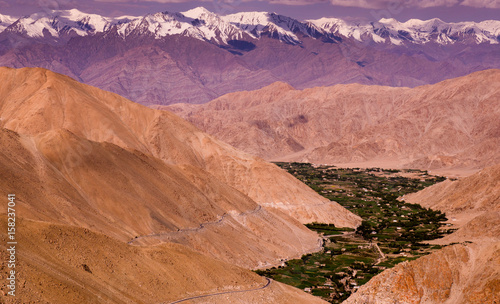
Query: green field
[(350, 258)]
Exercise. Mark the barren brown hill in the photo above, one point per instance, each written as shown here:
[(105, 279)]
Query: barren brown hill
[(477, 193), (35, 101), (63, 264), (472, 204), (452, 124), (61, 178), (96, 175), (468, 272)]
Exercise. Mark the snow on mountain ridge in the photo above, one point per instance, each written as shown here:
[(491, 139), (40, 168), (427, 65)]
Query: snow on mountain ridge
[(212, 26), (255, 23), (204, 25), (200, 24), (197, 12), (422, 31), (342, 27), (58, 21), (414, 30), (5, 21)]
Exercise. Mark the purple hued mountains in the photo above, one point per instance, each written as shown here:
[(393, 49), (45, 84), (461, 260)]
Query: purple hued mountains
[(196, 56)]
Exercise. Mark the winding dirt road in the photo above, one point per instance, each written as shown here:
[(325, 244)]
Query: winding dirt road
[(200, 227), (222, 293), (382, 255)]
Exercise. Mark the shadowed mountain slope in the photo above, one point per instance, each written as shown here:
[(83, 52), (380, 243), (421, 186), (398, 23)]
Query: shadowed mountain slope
[(34, 101), (99, 180)]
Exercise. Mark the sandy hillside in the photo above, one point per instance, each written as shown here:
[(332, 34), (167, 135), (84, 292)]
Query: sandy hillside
[(35, 101), (61, 178), (142, 198), (477, 193), (452, 124), (63, 264), (471, 204)]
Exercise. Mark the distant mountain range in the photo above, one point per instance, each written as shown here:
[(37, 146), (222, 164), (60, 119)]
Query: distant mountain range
[(196, 56), (452, 124), (204, 25)]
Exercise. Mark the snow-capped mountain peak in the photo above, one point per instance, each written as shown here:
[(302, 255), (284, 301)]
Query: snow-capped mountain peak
[(197, 23), (197, 12), (279, 26), (58, 21), (342, 28)]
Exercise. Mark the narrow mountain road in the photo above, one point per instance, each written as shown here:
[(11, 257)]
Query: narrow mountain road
[(344, 234), (375, 244), (200, 227), (222, 293), (382, 255)]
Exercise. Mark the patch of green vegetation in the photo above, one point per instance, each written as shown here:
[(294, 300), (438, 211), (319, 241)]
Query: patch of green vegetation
[(327, 229), (350, 258)]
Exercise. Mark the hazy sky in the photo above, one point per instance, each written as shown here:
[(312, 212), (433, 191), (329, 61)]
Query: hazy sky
[(448, 10)]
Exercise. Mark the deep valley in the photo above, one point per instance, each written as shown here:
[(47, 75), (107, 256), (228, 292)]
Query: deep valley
[(392, 231)]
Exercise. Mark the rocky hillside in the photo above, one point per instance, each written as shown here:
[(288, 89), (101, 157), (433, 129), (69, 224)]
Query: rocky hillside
[(450, 124), (459, 274)]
